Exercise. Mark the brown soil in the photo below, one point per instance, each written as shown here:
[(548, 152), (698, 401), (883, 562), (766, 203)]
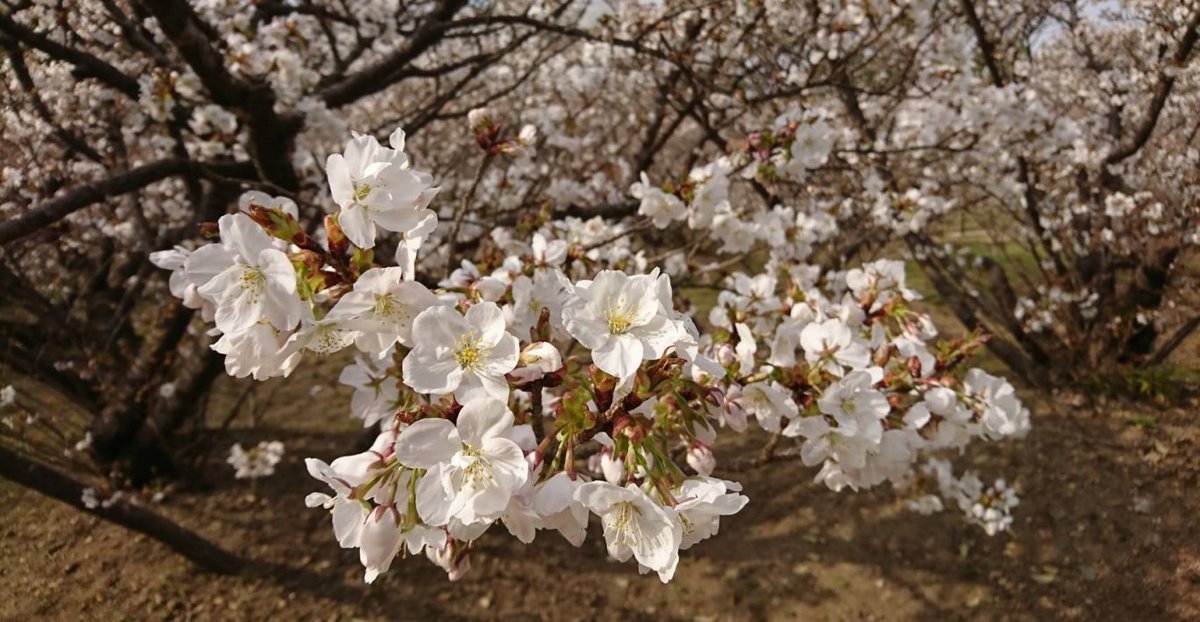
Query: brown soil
[(1107, 530)]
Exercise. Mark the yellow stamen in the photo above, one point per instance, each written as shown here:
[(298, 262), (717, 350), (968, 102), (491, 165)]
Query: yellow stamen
[(620, 315), (469, 351), (361, 191), (624, 523)]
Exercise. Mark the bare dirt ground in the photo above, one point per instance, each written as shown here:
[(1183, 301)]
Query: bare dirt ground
[(1107, 530)]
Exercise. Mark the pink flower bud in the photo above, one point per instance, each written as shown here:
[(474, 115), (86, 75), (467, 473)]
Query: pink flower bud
[(701, 459)]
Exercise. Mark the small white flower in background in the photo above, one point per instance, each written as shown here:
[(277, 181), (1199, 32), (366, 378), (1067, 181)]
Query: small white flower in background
[(480, 120), (1002, 413), (166, 390), (259, 461), (747, 346), (635, 526), (548, 289), (375, 391), (813, 143), (938, 401), (548, 252), (89, 498), (537, 360), (85, 443), (660, 207), (8, 396), (858, 408), (884, 278), (925, 504), (989, 507), (466, 355), (621, 319), (524, 145), (701, 459), (769, 402), (831, 344)]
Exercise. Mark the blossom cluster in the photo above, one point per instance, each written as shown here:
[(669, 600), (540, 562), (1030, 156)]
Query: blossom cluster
[(548, 384), (258, 461)]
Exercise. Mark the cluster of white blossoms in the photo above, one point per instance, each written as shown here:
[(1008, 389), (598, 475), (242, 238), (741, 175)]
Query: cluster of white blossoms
[(855, 377), (522, 392), (260, 282), (258, 461), (990, 507)]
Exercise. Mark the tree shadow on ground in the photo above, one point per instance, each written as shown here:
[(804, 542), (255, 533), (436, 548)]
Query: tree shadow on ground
[(1104, 531)]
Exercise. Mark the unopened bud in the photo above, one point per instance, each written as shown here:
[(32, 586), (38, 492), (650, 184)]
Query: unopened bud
[(538, 360), (542, 355), (337, 241), (701, 459), (725, 354)]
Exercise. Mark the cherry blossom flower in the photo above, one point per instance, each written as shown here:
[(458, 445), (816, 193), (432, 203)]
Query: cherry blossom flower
[(537, 360), (375, 391), (830, 345), (1002, 414), (473, 467), (8, 396), (548, 289), (375, 187), (258, 462), (702, 503), (255, 279), (635, 526), (660, 207), (557, 508), (261, 351), (858, 408), (466, 355), (768, 402), (621, 320), (381, 308)]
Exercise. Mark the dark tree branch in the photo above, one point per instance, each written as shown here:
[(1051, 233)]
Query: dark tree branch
[(1158, 101), (72, 141), (50, 482), (986, 49), (1181, 334), (86, 65), (271, 135), (80, 197), (375, 78)]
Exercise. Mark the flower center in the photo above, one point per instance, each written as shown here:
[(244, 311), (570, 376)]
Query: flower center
[(623, 523), (388, 307), (327, 339), (469, 351), (253, 281), (361, 191), (478, 471), (688, 526), (620, 316)]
